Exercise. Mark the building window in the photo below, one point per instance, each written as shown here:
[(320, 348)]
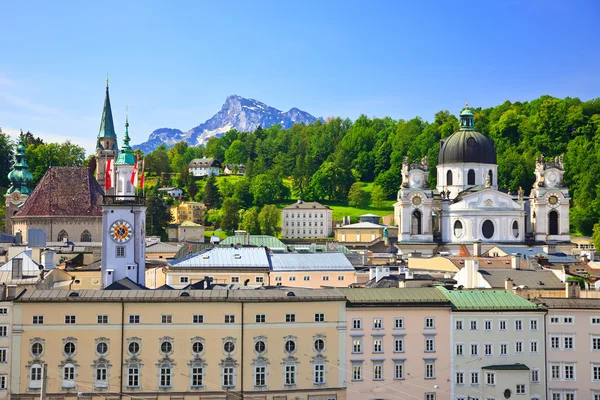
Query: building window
[(166, 347), (133, 376), (429, 396), (429, 323), (429, 345), (490, 378), (487, 325), (398, 345), (356, 372), (569, 342), (488, 349), (518, 347), (260, 318), (458, 229), (37, 319), (459, 349), (229, 346), (533, 324), (398, 369), (520, 389), (102, 319), (503, 349), (290, 375), (595, 342), (291, 278), (596, 372), (165, 375), (120, 251), (290, 346), (487, 229), (357, 323), (230, 319), (86, 236), (518, 325), (474, 378), (134, 348), (319, 317), (416, 223), (553, 223), (357, 346), (260, 376), (68, 376), (197, 376), (259, 279), (471, 177), (102, 347), (197, 319), (535, 376), (473, 325), (594, 320), (134, 319), (319, 345), (399, 323), (290, 317), (69, 319), (197, 347), (449, 178), (319, 374), (35, 376), (458, 325), (184, 279), (377, 346), (377, 323), (569, 372), (63, 236), (166, 319), (3, 355), (515, 229), (502, 325), (306, 278), (101, 378), (378, 371), (533, 346), (340, 277), (69, 348), (325, 277), (460, 378), (429, 369)]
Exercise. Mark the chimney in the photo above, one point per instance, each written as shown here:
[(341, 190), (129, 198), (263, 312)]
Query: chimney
[(11, 291), (572, 290), (477, 248), (566, 270), (549, 248), (207, 282), (508, 284), (472, 267), (3, 290), (48, 259), (110, 276), (515, 260)]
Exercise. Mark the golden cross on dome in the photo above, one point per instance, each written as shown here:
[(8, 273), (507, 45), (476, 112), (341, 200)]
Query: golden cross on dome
[(467, 103)]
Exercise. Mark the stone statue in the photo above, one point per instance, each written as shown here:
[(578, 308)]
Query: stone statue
[(405, 161), (520, 192), (385, 232), (488, 180), (425, 162)]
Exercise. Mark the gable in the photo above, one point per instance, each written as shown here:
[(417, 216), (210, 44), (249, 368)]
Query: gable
[(487, 199)]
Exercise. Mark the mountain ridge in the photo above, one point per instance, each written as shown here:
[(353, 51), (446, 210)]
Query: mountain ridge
[(242, 114)]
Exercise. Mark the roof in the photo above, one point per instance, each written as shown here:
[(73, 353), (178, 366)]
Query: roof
[(163, 248), (269, 242), (432, 264), (125, 284), (395, 295), (166, 189), (164, 287), (190, 224), (225, 257), (310, 262), (364, 225), (392, 281), (467, 146), (204, 163), (533, 279), (107, 127), (488, 262), (471, 300), (27, 264), (5, 238), (558, 257), (306, 205), (65, 192), (223, 295), (563, 303), (507, 367), (28, 278)]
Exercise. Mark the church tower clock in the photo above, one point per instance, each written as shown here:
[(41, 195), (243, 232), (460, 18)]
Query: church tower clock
[(123, 225)]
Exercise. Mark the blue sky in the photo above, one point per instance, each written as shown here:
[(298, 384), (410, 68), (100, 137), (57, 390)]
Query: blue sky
[(174, 63)]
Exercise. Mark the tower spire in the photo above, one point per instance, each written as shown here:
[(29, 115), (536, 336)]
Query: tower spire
[(107, 126), (20, 177), (126, 154), (466, 119)]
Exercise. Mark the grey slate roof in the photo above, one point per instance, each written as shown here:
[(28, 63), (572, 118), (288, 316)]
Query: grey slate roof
[(163, 248), (558, 257), (310, 262), (563, 303), (125, 284), (306, 205), (532, 279), (223, 257)]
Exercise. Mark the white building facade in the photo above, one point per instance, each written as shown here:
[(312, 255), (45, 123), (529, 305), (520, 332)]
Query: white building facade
[(306, 220)]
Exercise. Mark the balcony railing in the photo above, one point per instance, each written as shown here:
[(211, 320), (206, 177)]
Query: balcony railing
[(124, 200)]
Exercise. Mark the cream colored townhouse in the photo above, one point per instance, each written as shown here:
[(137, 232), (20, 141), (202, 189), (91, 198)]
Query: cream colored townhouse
[(275, 344), (5, 336), (398, 344), (573, 348), (498, 348), (306, 220)]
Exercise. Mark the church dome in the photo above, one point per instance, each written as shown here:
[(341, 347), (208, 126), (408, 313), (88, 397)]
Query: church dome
[(467, 145)]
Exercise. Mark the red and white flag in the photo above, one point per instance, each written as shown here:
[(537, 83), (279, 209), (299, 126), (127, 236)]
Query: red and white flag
[(108, 179), (142, 175), (134, 173)]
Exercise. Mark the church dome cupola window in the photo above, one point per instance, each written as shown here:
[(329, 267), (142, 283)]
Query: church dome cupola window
[(466, 119), (458, 229), (487, 229), (553, 223), (449, 178), (471, 177), (416, 223), (515, 229)]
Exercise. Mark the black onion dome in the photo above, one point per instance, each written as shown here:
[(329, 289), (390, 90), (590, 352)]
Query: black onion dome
[(467, 145)]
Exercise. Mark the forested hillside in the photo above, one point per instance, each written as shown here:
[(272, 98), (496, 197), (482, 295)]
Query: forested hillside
[(322, 160)]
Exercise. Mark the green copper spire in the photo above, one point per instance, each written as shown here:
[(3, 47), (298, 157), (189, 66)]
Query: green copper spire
[(107, 127), (466, 119), (126, 156), (20, 177)]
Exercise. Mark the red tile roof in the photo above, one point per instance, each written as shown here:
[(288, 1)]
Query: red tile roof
[(65, 192)]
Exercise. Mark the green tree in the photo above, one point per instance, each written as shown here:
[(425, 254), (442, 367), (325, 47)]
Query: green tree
[(596, 235), (331, 182), (236, 153), (250, 222), (242, 192), (268, 219), (212, 197), (357, 197), (43, 156), (389, 182), (157, 162), (157, 216), (265, 189), (6, 159), (213, 217), (230, 211), (378, 196)]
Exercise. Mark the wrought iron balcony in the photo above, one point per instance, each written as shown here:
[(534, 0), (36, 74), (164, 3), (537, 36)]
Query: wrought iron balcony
[(124, 200)]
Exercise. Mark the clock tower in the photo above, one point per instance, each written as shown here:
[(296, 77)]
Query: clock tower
[(124, 225)]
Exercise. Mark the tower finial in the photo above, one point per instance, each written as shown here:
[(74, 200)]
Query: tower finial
[(126, 116), (467, 103), (107, 80)]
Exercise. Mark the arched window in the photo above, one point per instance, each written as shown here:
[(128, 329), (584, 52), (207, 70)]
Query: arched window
[(68, 376), (491, 174), (101, 378), (458, 229), (553, 223), (487, 229), (471, 177), (86, 236), (165, 374), (197, 374), (35, 376), (63, 236), (416, 223), (133, 376), (449, 178), (515, 229)]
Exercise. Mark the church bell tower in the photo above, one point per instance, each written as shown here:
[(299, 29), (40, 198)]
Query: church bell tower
[(20, 179), (106, 144), (124, 224)]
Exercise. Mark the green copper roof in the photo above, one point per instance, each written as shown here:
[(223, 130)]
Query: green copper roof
[(107, 127), (20, 177), (395, 295), (270, 242), (507, 367), (466, 119), (466, 300), (126, 156)]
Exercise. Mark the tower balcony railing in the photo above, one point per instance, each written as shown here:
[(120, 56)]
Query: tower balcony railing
[(124, 200)]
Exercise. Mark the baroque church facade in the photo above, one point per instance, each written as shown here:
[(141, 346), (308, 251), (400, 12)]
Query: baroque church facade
[(466, 205)]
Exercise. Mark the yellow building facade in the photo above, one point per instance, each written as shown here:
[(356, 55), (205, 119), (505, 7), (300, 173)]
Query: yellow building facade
[(192, 345), (188, 211)]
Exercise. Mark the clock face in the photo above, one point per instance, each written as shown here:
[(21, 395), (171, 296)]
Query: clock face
[(416, 200), (120, 231), (553, 200)]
